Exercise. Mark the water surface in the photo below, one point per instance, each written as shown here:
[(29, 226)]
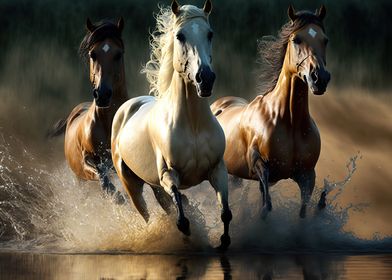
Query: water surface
[(232, 266)]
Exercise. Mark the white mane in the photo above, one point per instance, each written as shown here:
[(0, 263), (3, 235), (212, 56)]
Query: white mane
[(159, 69)]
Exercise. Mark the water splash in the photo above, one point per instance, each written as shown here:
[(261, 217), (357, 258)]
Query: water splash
[(46, 208)]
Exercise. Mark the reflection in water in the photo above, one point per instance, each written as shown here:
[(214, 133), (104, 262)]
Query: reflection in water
[(237, 266)]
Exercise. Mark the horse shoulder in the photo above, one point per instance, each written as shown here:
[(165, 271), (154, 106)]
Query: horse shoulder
[(76, 128)]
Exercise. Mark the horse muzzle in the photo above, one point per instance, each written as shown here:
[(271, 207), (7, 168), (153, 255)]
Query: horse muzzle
[(318, 81), (205, 79), (102, 96)]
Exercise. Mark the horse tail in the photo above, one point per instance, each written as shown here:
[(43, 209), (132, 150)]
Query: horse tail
[(58, 128)]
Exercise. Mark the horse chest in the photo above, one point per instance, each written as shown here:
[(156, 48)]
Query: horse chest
[(290, 149), (193, 155), (98, 137)]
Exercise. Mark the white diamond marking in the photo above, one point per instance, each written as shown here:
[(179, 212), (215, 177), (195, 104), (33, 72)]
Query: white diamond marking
[(106, 48), (312, 32)]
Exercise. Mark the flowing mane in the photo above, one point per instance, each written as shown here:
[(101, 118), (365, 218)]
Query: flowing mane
[(104, 29), (159, 69), (272, 50)]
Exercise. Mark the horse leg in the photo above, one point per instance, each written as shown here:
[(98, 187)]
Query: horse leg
[(262, 171), (306, 182), (94, 166), (219, 181), (109, 188), (102, 168), (322, 204), (170, 182), (259, 166), (163, 199), (134, 186)]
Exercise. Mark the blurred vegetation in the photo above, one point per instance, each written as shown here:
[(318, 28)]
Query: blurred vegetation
[(40, 67)]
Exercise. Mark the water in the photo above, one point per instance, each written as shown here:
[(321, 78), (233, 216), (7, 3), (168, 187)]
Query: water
[(232, 266), (53, 226)]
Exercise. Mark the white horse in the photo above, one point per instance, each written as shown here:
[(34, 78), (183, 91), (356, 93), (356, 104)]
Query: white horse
[(173, 141)]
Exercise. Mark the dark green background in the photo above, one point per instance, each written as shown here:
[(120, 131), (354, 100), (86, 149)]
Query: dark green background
[(40, 67)]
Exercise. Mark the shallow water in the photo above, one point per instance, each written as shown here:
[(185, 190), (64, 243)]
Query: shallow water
[(44, 208), (231, 266)]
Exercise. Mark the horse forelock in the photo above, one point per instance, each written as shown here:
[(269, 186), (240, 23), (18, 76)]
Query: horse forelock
[(104, 31), (272, 50), (159, 69)]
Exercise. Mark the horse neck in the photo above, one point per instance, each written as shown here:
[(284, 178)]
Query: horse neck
[(187, 107), (120, 95), (290, 96)]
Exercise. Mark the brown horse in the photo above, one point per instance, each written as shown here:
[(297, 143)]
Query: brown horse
[(274, 137), (88, 127)]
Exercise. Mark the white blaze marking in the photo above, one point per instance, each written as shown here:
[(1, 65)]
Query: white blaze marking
[(106, 48), (195, 28), (312, 32)]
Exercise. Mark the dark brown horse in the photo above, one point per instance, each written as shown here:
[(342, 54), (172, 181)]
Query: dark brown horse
[(88, 127), (274, 137)]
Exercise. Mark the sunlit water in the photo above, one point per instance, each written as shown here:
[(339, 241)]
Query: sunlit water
[(46, 211), (230, 266)]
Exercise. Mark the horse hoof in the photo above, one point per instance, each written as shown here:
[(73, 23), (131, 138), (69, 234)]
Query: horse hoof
[(225, 243), (119, 198), (183, 226)]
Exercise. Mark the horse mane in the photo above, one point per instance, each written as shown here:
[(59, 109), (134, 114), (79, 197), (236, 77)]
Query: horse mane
[(159, 69), (272, 50), (104, 29)]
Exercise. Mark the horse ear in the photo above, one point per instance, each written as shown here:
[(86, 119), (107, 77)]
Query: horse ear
[(322, 12), (120, 24), (90, 26), (207, 7), (291, 13), (175, 7)]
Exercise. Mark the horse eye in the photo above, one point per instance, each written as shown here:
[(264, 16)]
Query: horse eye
[(93, 56), (210, 35), (297, 40), (118, 56), (180, 37)]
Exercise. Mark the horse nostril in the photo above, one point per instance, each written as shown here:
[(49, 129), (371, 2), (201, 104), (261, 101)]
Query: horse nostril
[(198, 78), (95, 93), (314, 76)]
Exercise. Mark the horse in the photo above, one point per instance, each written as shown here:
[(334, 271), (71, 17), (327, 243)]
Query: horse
[(88, 127), (274, 136), (172, 141)]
